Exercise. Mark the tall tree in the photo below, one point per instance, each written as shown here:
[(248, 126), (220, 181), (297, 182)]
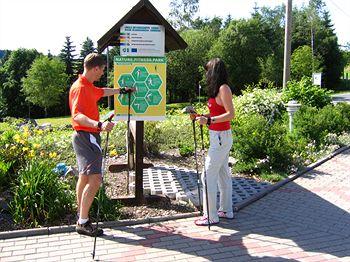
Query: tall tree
[(214, 24), (67, 56), (182, 13), (185, 67), (12, 71), (45, 82), (240, 45), (313, 27), (87, 47), (271, 22), (304, 63)]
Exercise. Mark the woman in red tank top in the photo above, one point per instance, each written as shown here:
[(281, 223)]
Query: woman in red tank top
[(218, 173)]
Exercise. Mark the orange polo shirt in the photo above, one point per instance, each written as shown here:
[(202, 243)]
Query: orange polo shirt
[(83, 98)]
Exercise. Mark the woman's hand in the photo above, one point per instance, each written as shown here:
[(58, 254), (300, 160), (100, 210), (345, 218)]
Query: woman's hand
[(202, 120)]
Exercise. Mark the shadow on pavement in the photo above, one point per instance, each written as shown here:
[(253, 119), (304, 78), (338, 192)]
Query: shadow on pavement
[(313, 219)]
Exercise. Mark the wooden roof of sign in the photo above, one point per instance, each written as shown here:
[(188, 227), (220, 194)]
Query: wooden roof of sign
[(142, 13)]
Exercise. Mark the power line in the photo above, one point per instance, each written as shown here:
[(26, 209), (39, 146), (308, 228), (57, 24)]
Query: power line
[(340, 9)]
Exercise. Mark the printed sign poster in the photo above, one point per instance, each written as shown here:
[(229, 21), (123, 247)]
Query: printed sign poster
[(142, 40), (148, 76), (317, 78)]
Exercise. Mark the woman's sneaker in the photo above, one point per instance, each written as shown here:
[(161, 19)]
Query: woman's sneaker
[(88, 229), (227, 215), (203, 221)]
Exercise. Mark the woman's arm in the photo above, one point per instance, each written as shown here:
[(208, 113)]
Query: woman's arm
[(225, 96)]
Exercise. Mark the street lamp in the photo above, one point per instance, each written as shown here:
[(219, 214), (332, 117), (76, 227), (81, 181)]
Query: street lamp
[(292, 107)]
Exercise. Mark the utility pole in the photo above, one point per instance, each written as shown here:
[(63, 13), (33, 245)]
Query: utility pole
[(109, 98), (287, 43)]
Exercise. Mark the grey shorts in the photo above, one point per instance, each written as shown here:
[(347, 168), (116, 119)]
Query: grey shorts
[(88, 151)]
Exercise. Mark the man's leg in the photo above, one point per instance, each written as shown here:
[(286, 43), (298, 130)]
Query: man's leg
[(82, 181), (88, 194)]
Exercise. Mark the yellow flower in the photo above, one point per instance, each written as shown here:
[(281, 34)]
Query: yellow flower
[(36, 145), (31, 153), (17, 137), (39, 132), (26, 132), (113, 153), (24, 149), (52, 154)]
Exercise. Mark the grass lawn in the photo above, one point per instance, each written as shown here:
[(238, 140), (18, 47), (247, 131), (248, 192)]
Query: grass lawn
[(55, 121)]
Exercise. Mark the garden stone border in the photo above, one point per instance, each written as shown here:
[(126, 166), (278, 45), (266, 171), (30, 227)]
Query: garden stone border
[(71, 228), (129, 222)]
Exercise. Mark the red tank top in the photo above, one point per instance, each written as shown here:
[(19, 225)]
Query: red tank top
[(216, 110)]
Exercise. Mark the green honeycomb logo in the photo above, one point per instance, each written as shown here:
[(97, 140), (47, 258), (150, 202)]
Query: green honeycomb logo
[(154, 82), (147, 89)]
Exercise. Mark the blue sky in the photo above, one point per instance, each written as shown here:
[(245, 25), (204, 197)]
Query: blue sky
[(43, 24)]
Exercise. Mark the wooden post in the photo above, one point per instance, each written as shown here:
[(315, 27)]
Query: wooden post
[(139, 162)]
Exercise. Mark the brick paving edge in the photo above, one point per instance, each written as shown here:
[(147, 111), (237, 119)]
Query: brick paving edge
[(71, 228), (290, 178)]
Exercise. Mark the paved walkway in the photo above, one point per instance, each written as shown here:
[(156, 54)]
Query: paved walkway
[(308, 219)]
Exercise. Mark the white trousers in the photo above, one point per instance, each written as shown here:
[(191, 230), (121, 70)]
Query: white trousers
[(218, 174)]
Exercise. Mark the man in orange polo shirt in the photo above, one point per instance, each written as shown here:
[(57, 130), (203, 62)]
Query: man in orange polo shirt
[(83, 98)]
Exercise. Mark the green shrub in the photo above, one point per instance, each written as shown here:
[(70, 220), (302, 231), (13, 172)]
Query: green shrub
[(14, 150), (259, 145), (266, 102), (174, 132), (109, 209), (186, 150), (40, 196), (314, 124), (5, 179), (306, 93)]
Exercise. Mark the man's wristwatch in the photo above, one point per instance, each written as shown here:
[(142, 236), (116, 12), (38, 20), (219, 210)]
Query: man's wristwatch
[(99, 125)]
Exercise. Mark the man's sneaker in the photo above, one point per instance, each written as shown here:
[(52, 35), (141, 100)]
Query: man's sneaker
[(228, 215), (88, 229)]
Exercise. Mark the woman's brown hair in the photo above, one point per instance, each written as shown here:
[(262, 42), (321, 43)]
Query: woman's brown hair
[(216, 75)]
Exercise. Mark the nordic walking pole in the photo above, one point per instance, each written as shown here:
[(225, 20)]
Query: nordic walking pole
[(205, 178), (99, 190), (190, 110), (195, 156)]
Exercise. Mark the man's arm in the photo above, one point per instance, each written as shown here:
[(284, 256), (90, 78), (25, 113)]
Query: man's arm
[(83, 120), (115, 91), (110, 91)]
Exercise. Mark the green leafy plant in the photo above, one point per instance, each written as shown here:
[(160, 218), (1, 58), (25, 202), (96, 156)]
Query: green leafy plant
[(266, 102), (4, 174), (314, 124), (306, 93), (186, 150), (109, 209), (259, 145), (40, 196)]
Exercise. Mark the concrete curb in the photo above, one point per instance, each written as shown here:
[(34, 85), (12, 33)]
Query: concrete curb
[(71, 228), (290, 178)]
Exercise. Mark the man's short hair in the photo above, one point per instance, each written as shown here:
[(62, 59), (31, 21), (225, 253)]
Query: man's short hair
[(94, 59)]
